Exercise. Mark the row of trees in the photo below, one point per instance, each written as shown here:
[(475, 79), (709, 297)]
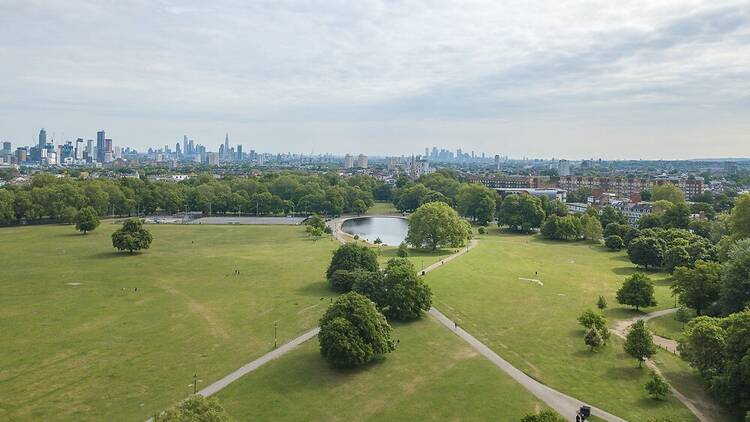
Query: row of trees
[(60, 198)]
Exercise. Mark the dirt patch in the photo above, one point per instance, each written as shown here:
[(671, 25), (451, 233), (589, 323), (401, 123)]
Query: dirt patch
[(214, 324)]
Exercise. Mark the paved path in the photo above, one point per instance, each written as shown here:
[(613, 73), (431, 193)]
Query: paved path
[(621, 330), (562, 403)]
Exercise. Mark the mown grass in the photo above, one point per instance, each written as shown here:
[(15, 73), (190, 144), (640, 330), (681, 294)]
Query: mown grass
[(432, 375), (535, 326), (79, 343)]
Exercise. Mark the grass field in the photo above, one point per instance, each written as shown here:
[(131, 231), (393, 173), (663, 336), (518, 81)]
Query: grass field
[(666, 326), (534, 326), (433, 375), (79, 343), (382, 207)]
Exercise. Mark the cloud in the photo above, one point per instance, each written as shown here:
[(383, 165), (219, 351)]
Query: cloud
[(156, 67)]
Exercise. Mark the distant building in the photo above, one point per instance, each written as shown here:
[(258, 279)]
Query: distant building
[(625, 186), (348, 161), (563, 168), (497, 162), (559, 194), (391, 163), (362, 161), (42, 139), (100, 146)]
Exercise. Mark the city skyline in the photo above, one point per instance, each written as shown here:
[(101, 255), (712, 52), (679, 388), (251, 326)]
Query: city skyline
[(642, 80)]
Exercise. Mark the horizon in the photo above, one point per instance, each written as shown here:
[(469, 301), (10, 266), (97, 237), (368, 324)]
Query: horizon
[(667, 81)]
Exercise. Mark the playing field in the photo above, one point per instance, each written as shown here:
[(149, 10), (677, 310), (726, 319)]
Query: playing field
[(80, 343), (432, 375), (521, 295)]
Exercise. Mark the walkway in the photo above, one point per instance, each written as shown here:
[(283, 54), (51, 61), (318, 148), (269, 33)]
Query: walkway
[(621, 330), (562, 403)]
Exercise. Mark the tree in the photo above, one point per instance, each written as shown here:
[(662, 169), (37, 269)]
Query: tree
[(595, 320), (601, 303), (352, 257), (646, 251), (562, 228), (614, 242), (699, 287), (314, 232), (316, 221), (638, 291), (132, 236), (353, 332), (610, 215), (477, 202), (702, 345), (521, 213), (701, 228), (591, 228), (436, 225), (676, 256), (7, 212), (677, 217), (739, 219), (657, 387), (667, 192), (343, 281), (593, 339), (735, 289), (195, 408), (651, 220), (543, 416), (402, 251), (639, 343), (404, 295), (86, 220)]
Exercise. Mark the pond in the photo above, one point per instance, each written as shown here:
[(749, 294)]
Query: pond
[(391, 230)]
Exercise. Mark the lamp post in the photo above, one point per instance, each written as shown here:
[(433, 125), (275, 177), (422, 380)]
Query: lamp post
[(275, 340), (195, 383)]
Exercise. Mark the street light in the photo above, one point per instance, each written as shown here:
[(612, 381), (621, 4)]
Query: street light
[(275, 340)]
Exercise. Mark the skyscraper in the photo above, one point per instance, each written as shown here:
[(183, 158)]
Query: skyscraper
[(348, 161), (100, 146), (42, 139), (362, 161), (226, 146)]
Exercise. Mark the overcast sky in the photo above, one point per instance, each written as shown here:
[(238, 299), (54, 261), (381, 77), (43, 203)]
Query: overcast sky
[(569, 79)]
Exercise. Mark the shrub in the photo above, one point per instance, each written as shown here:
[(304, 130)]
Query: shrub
[(614, 242)]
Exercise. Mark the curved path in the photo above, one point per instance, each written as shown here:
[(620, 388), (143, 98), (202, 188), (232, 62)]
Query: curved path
[(621, 330)]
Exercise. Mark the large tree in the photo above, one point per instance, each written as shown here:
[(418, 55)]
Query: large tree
[(352, 256), (353, 332), (639, 343), (610, 215), (677, 217), (436, 225), (477, 202), (735, 289), (638, 291), (697, 288), (646, 251), (740, 217), (521, 213), (86, 220), (667, 192), (132, 236)]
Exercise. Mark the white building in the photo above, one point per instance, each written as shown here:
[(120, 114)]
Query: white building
[(348, 161), (362, 161), (563, 168)]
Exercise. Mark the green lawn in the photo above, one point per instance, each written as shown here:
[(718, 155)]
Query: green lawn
[(433, 375), (666, 326), (535, 326), (79, 343), (382, 207)]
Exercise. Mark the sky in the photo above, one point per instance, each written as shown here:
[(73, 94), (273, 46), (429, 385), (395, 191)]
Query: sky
[(666, 79)]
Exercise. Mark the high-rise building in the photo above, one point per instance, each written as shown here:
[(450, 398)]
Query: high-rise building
[(90, 152), (177, 149), (362, 161), (100, 146), (348, 161), (107, 152), (563, 168), (79, 149), (239, 153), (6, 148), (497, 162), (42, 139), (226, 145)]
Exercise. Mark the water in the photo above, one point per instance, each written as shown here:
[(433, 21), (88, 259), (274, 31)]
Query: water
[(391, 230)]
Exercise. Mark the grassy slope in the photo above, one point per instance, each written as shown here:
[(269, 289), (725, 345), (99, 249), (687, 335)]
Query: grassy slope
[(382, 207), (433, 375), (96, 352), (535, 327), (666, 326)]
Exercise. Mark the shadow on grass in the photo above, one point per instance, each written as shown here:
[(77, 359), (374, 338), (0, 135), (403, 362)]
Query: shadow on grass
[(114, 254), (317, 289), (629, 373)]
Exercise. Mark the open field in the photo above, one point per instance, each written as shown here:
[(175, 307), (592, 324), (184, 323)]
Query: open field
[(382, 207), (433, 375), (666, 326), (79, 343), (521, 295)]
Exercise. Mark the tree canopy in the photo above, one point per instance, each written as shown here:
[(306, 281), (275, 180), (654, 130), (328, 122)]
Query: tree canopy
[(638, 291), (353, 332), (435, 225), (86, 220), (667, 192), (352, 256), (639, 342), (132, 236), (521, 212), (699, 287)]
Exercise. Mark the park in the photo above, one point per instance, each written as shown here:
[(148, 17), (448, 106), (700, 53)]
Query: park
[(94, 334)]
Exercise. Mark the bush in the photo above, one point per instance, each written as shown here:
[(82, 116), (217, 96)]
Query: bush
[(402, 251), (195, 408), (593, 339), (481, 230), (543, 416), (601, 303), (614, 242), (353, 332)]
